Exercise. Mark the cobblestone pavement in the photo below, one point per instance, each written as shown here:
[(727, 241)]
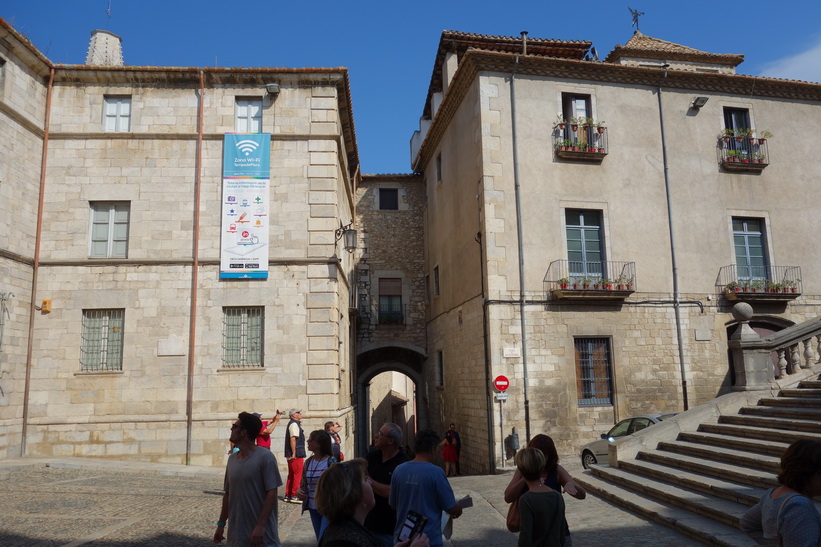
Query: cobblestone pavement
[(74, 502)]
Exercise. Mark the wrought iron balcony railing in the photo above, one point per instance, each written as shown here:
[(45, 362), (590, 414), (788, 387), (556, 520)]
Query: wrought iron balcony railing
[(575, 279), (586, 142), (759, 282), (743, 153)]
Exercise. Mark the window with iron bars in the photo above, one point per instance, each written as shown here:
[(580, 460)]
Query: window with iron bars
[(594, 372), (242, 337), (102, 340)]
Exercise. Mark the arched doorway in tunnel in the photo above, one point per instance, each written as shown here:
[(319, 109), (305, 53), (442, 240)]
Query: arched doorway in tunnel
[(389, 387)]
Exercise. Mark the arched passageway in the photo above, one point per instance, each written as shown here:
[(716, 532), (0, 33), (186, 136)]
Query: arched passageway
[(375, 360)]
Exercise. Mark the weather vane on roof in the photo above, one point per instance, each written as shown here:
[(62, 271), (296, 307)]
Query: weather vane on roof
[(636, 14)]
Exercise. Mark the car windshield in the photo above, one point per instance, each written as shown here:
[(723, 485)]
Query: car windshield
[(620, 429)]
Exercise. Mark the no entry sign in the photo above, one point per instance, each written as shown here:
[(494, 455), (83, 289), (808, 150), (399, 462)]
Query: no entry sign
[(501, 383)]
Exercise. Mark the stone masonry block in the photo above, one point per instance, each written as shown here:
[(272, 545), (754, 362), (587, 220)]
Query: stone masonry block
[(323, 103), (322, 357), (321, 329), (322, 171), (322, 372), (322, 343), (322, 300), (323, 158), (322, 387)]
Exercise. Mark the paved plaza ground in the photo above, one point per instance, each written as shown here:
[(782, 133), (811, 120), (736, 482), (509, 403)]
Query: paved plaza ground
[(72, 502)]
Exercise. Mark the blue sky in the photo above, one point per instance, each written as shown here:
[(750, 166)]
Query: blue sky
[(389, 46)]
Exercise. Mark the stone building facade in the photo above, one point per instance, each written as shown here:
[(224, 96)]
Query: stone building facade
[(113, 202), (475, 266), (513, 146)]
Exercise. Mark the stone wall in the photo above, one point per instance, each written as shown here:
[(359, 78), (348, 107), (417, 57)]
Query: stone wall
[(392, 247), (141, 412), (22, 108)]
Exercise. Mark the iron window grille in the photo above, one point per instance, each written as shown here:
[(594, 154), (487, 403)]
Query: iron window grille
[(242, 337), (102, 340), (594, 372)]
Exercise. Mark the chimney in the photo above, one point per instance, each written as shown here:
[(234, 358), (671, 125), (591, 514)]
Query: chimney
[(105, 49)]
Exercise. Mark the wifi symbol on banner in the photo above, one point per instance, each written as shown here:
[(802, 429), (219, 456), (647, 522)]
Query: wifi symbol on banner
[(246, 147)]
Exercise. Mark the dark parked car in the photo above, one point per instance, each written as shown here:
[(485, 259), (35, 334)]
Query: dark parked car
[(596, 452)]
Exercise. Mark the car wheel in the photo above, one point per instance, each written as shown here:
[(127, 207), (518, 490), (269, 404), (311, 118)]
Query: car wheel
[(588, 459)]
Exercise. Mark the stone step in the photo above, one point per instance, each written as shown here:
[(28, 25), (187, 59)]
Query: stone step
[(740, 458), (722, 470), (700, 528), (812, 384), (801, 392), (743, 494), (772, 423), (722, 511), (793, 402), (726, 455), (775, 411), (739, 443), (777, 435)]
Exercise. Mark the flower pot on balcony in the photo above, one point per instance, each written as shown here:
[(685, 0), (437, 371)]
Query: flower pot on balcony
[(574, 127), (762, 141), (575, 286), (564, 285), (562, 126), (600, 130)]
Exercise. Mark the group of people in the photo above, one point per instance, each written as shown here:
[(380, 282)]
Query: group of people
[(374, 502), (351, 503)]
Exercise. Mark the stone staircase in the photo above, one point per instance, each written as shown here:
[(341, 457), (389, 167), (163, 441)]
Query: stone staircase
[(701, 470)]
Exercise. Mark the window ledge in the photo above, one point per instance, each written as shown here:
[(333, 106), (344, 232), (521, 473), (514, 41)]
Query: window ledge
[(241, 369), (743, 166), (741, 296), (99, 373), (580, 155), (590, 294)]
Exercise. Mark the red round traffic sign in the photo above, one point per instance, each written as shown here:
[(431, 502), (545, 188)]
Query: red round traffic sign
[(501, 383)]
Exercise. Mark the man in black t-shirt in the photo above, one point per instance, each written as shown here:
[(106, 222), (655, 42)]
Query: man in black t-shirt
[(381, 521)]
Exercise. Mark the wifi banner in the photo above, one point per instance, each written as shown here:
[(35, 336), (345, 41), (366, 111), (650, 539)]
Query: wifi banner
[(246, 178)]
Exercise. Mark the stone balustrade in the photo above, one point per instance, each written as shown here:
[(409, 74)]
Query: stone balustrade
[(798, 347)]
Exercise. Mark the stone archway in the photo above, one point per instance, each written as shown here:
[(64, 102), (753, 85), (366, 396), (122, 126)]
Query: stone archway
[(374, 360)]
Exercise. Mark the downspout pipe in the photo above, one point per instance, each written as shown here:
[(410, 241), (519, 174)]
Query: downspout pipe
[(36, 265), (676, 294), (520, 234), (491, 442), (195, 270)]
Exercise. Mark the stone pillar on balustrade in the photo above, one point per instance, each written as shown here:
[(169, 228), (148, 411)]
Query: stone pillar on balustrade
[(752, 365)]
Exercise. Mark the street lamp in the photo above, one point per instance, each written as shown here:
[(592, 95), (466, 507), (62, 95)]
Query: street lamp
[(349, 234)]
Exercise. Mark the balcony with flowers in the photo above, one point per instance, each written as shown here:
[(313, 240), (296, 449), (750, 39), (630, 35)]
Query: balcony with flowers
[(580, 139), (759, 283), (744, 150), (577, 280)]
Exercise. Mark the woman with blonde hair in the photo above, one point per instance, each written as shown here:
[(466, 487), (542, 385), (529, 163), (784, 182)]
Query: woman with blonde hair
[(541, 509), (553, 475), (344, 496)]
